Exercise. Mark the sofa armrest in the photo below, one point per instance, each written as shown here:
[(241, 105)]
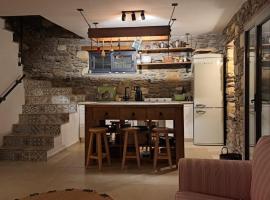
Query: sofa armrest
[(231, 179)]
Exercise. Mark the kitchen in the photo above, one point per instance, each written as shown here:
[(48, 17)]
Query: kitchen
[(130, 90)]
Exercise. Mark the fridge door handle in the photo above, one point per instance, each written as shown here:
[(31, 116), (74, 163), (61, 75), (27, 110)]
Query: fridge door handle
[(200, 111), (200, 106)]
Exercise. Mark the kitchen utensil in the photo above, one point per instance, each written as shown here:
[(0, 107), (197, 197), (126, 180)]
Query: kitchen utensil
[(146, 59), (103, 54), (167, 59), (138, 93)]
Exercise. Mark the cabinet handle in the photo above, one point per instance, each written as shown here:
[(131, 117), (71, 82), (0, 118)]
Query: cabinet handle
[(160, 114), (200, 106), (106, 114), (133, 114), (200, 111)]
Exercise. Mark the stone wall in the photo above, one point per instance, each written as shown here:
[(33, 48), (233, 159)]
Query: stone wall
[(51, 52), (235, 89)]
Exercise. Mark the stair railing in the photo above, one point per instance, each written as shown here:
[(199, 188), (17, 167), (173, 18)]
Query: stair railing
[(11, 88)]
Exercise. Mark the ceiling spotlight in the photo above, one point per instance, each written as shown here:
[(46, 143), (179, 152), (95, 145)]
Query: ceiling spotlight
[(123, 16), (142, 15), (133, 16)]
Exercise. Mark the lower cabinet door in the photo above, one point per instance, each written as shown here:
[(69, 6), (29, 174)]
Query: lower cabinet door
[(208, 126)]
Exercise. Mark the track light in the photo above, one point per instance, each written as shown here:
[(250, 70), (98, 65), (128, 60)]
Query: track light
[(133, 16), (123, 16), (142, 15)]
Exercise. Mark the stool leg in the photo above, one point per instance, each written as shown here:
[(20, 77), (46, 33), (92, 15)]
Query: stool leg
[(168, 150), (99, 152), (125, 150), (90, 148), (156, 150), (107, 149), (137, 149)]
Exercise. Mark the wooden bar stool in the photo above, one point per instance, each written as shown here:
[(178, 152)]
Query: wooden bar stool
[(99, 132), (132, 131), (157, 132)]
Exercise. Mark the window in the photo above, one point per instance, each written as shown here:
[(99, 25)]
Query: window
[(113, 62)]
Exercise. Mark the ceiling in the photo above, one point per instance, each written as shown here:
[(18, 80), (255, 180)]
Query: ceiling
[(193, 16)]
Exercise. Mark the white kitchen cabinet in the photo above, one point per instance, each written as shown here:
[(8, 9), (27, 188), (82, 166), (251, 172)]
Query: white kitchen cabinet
[(188, 121)]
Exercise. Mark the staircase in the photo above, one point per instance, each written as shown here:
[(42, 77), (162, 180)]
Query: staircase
[(38, 134)]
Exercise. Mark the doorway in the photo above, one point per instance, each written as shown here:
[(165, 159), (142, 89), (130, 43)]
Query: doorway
[(257, 85)]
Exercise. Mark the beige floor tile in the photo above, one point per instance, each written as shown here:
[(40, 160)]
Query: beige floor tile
[(66, 170)]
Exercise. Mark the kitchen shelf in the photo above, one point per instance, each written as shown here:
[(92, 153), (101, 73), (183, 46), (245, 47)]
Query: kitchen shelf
[(166, 50), (164, 65)]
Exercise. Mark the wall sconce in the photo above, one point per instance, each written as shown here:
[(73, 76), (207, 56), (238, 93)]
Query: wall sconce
[(133, 14)]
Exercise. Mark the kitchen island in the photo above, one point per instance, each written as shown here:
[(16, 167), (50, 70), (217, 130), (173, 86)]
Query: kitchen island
[(97, 112)]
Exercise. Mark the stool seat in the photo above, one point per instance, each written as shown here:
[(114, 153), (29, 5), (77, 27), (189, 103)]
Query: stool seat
[(100, 133), (131, 131), (98, 130)]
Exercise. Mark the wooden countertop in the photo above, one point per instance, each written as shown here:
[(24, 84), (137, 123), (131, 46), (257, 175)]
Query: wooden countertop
[(134, 103)]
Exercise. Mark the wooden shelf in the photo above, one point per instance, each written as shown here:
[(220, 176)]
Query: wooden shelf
[(173, 63), (164, 65), (166, 50), (106, 48)]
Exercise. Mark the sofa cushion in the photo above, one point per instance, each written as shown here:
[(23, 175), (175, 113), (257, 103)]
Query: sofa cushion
[(260, 184), (196, 196)]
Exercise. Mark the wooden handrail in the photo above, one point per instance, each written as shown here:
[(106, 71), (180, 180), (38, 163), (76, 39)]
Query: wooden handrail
[(11, 88)]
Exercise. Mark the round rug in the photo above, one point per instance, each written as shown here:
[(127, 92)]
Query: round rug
[(68, 194)]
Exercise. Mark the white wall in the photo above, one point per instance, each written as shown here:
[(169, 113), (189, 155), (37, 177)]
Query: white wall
[(9, 71), (69, 135)]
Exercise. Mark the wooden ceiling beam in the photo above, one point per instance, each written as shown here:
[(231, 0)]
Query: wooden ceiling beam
[(129, 31)]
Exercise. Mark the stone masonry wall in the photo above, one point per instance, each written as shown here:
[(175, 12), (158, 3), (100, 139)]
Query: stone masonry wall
[(235, 90), (51, 52)]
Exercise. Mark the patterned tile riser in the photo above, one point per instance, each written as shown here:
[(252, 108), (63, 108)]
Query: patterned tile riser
[(61, 99), (43, 118), (23, 155), (48, 91), (24, 141), (28, 84), (49, 109), (32, 129)]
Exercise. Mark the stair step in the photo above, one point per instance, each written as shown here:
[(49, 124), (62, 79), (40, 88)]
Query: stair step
[(43, 118), (57, 99), (32, 83), (25, 154), (37, 129), (49, 109), (48, 91), (23, 141)]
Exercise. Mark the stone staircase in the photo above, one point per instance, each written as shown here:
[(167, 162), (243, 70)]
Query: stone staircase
[(46, 110)]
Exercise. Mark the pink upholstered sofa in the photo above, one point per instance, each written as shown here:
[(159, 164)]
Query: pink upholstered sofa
[(203, 179)]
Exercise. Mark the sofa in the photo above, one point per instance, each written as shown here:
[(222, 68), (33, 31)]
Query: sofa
[(205, 179)]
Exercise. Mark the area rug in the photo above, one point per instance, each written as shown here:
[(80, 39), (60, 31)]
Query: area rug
[(68, 194)]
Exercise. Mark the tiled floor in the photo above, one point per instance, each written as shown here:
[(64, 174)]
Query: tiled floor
[(66, 170)]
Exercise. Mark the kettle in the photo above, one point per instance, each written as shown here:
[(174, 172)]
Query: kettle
[(138, 93)]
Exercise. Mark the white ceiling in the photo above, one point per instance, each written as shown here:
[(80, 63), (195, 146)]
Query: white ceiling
[(193, 16)]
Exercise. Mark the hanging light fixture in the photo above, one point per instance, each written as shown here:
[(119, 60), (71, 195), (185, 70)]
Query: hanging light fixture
[(123, 16), (133, 16), (142, 15)]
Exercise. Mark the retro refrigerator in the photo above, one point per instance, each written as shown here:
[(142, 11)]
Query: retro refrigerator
[(208, 99)]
